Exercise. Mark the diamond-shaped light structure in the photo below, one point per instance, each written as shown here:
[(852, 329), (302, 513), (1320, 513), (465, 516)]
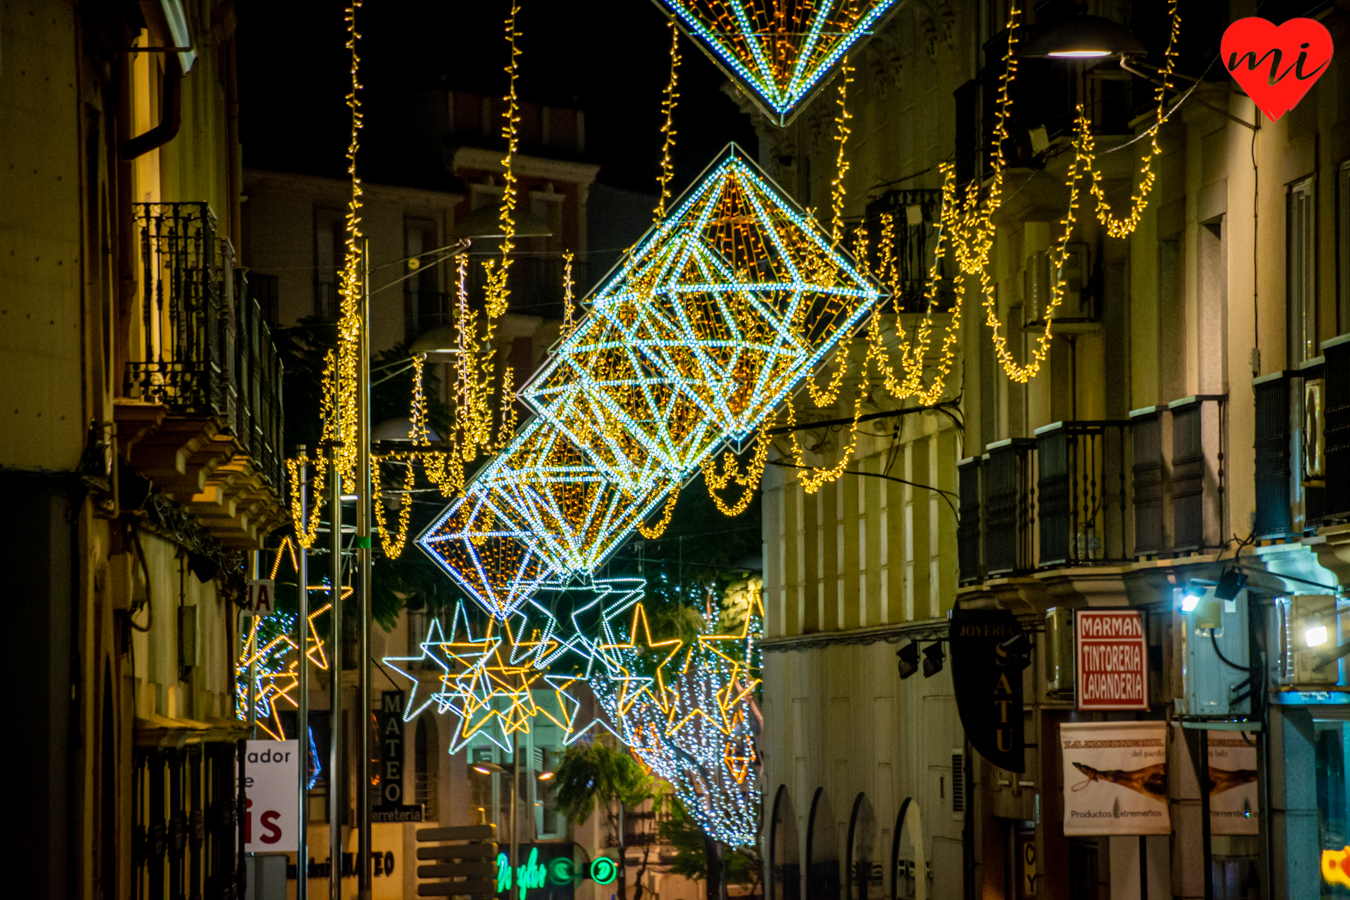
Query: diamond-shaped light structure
[(708, 324), (717, 314), (779, 51)]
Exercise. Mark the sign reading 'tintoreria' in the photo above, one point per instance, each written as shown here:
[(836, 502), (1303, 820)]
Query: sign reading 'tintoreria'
[(1112, 653)]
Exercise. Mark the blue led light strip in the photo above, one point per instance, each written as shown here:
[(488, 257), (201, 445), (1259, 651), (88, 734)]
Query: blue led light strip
[(780, 62)]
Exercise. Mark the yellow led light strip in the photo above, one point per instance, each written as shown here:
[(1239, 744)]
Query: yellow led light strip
[(498, 294), (668, 127), (349, 287)]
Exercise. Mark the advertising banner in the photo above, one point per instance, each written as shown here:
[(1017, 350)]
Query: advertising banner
[(272, 791), (1233, 803), (1115, 778), (1112, 654)]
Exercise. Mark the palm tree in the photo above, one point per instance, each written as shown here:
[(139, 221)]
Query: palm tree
[(591, 773)]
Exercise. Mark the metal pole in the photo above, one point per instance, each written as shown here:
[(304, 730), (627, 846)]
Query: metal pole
[(251, 647), (363, 549), (302, 714), (336, 774), (515, 801)]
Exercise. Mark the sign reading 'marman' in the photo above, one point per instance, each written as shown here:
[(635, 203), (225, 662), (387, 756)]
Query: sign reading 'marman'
[(1112, 659)]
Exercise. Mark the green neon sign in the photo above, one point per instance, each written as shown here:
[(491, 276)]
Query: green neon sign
[(528, 876)]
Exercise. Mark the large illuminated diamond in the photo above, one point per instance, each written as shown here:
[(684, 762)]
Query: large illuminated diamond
[(780, 51), (693, 340), (708, 324), (541, 510)]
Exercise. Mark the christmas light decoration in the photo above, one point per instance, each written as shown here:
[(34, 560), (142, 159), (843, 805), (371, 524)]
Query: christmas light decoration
[(690, 716), (778, 52), (492, 684), (497, 270), (841, 163), (705, 327), (267, 658), (350, 319), (668, 127)]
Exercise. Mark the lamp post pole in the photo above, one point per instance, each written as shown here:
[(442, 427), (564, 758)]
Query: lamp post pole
[(302, 714), (336, 774), (363, 551)]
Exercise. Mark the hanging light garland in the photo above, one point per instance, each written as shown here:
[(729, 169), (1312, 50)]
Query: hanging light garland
[(498, 294), (842, 132), (668, 126)]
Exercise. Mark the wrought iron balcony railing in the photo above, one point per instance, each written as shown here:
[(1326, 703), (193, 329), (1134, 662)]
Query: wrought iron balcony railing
[(1092, 493), (205, 348)]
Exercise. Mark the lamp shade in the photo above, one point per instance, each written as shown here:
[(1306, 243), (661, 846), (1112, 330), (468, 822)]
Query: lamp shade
[(1084, 37)]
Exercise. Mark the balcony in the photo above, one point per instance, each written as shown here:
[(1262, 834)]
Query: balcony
[(1303, 447), (200, 412), (1096, 493)]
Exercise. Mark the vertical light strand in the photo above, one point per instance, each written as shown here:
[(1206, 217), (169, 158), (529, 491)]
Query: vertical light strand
[(668, 127), (841, 162), (569, 301), (498, 294), (349, 316)]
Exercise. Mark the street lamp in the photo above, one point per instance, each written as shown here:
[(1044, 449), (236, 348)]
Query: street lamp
[(1085, 37), (492, 768)]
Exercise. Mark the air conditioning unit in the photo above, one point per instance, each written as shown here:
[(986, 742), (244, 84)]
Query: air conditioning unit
[(1076, 304)]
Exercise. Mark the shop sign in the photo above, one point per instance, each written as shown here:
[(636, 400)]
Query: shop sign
[(261, 599), (1233, 796), (1115, 778), (1112, 654), (987, 681), (550, 871), (389, 778), (272, 796)]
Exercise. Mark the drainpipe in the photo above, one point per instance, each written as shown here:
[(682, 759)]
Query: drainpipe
[(234, 177), (170, 113)]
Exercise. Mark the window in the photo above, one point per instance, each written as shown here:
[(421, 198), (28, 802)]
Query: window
[(1300, 273), (1343, 248), (265, 289), (958, 783), (424, 306), (864, 872), (1333, 801), (785, 866), (822, 851), (426, 758), (329, 232)]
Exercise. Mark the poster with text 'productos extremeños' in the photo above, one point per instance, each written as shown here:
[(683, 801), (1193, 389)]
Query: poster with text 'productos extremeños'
[(1115, 777)]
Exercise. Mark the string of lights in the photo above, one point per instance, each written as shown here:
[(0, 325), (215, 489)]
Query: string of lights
[(498, 294), (668, 126), (779, 52)]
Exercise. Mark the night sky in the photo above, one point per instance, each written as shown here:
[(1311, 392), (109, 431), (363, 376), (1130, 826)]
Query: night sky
[(607, 57)]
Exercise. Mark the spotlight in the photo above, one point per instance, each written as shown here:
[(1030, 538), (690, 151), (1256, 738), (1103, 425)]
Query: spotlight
[(908, 659), (1230, 583), (933, 657), (203, 566)]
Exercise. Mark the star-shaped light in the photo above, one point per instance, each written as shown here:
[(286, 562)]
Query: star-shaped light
[(779, 52)]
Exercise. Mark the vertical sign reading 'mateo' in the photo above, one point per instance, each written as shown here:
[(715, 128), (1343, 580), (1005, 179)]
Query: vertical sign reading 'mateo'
[(1112, 659)]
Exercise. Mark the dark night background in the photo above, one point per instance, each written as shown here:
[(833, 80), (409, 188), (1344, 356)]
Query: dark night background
[(607, 57)]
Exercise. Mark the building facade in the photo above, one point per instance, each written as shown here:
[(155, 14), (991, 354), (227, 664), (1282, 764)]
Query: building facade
[(1182, 432), (140, 460)]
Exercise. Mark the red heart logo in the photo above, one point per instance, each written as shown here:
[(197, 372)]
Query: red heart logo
[(1276, 65)]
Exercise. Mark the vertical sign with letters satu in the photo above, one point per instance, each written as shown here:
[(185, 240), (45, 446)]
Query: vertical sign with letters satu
[(272, 796), (987, 684), (1112, 659)]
